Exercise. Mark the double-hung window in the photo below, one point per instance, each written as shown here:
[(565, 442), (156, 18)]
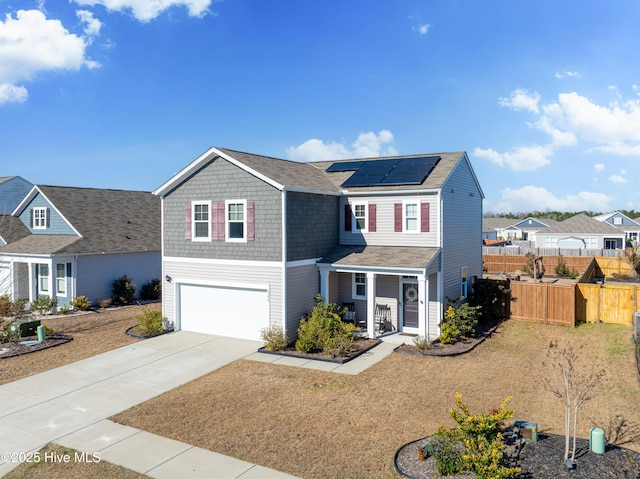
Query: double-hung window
[(236, 214), (43, 278), (411, 217), (360, 217), (201, 223), (61, 279), (359, 286), (39, 218)]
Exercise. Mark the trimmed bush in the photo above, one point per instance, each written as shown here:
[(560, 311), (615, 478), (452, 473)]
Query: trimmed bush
[(104, 303), (80, 303), (5, 305), (43, 304), (274, 338), (150, 322), (151, 290), (123, 291)]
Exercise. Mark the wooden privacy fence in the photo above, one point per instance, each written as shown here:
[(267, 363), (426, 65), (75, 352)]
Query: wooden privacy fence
[(609, 303), (509, 263), (543, 302)]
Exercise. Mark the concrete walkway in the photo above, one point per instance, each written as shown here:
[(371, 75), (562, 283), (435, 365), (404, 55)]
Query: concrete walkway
[(70, 405)]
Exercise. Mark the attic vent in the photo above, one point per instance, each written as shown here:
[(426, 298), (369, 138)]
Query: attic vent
[(530, 221)]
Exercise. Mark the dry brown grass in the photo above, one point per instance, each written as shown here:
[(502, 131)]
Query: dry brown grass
[(92, 333), (70, 470), (325, 425)]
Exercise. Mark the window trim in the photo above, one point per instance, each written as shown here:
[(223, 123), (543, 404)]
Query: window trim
[(365, 218), (46, 277), (39, 223), (355, 284), (228, 222), (405, 217), (194, 231), (62, 278), (617, 220)]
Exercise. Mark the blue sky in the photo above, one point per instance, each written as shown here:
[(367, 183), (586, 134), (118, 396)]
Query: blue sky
[(543, 95)]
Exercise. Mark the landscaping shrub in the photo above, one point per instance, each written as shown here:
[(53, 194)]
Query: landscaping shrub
[(274, 337), (492, 297), (123, 291), (64, 310), (9, 334), (150, 322), (475, 445), (104, 303), (449, 333), (19, 308), (43, 304), (323, 330), (80, 303), (422, 343), (5, 305), (151, 290)]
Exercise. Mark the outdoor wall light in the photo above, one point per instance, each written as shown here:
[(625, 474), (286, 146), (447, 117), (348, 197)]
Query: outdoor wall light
[(168, 278)]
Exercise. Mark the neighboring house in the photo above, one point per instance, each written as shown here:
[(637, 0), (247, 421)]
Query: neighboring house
[(63, 242), (249, 241), (581, 232), (12, 190), (529, 227), (621, 221), (498, 228)]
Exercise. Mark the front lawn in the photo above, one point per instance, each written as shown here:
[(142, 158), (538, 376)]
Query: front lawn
[(317, 424)]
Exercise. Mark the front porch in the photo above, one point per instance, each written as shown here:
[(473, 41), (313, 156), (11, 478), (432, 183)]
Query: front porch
[(389, 289)]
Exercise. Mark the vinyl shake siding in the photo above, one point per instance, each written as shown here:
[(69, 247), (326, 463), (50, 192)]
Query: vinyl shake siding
[(303, 284), (312, 225), (217, 182)]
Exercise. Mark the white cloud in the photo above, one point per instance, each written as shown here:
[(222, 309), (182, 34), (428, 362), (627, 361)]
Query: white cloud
[(569, 74), (618, 179), (423, 29), (598, 167), (524, 158), (536, 198), (92, 25), (31, 43), (367, 145), (521, 99), (145, 10)]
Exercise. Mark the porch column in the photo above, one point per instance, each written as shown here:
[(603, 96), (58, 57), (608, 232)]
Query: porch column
[(32, 284), (439, 299), (423, 305), (371, 305), (324, 284)]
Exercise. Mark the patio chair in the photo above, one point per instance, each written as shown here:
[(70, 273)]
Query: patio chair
[(383, 318), (349, 315)]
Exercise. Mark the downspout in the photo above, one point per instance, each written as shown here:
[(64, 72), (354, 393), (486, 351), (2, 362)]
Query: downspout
[(284, 260), (440, 276)]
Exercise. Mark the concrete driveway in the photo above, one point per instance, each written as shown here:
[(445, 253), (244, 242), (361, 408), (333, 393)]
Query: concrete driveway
[(69, 405)]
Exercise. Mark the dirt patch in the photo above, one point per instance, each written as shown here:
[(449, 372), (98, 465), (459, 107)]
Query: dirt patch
[(317, 424), (92, 333)]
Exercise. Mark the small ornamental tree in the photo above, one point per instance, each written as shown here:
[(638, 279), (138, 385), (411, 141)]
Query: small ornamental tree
[(561, 376)]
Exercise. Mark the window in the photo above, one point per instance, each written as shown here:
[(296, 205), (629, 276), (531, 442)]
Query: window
[(359, 286), (411, 220), (39, 218), (236, 215), (617, 220), (201, 223), (360, 216), (43, 278), (61, 279), (463, 282)]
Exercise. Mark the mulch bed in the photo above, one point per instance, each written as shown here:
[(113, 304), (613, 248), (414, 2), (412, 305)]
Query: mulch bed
[(56, 339), (465, 344), (358, 347), (540, 460)]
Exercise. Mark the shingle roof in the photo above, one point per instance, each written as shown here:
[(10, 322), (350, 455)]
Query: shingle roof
[(381, 256), (491, 224), (12, 229), (581, 224), (109, 220)]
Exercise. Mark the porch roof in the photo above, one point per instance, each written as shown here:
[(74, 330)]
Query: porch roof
[(39, 244), (404, 257)]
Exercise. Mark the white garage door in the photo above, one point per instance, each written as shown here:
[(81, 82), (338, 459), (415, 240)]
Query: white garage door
[(225, 311)]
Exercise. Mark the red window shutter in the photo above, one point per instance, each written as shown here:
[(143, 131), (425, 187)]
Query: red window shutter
[(250, 221), (347, 217), (187, 221), (215, 224), (372, 218), (220, 217), (424, 217), (397, 217)]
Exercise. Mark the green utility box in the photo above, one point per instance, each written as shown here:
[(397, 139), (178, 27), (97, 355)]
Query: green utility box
[(27, 327)]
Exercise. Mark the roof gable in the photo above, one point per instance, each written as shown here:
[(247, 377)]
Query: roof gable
[(582, 224)]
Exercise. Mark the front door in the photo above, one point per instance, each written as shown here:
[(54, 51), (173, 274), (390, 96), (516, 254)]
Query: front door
[(410, 305)]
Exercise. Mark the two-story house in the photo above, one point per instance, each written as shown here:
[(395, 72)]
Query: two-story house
[(249, 241), (64, 242)]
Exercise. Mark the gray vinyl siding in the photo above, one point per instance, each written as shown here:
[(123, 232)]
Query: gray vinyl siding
[(218, 181), (57, 224), (312, 225), (196, 272), (96, 273), (461, 229), (303, 284), (385, 215)]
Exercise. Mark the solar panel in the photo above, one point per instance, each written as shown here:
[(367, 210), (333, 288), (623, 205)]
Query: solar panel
[(344, 166), (392, 172)]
